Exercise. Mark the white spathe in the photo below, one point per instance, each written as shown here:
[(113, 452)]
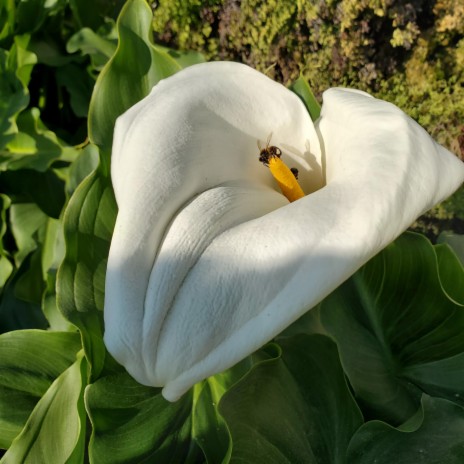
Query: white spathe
[(208, 260)]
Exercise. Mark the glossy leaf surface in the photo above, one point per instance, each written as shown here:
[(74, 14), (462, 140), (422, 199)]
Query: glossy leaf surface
[(293, 408), (399, 334)]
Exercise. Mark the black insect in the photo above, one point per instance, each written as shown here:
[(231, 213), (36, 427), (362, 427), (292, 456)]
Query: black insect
[(270, 151), (294, 172)]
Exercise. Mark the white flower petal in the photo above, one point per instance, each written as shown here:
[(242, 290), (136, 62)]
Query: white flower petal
[(235, 268), (196, 130)]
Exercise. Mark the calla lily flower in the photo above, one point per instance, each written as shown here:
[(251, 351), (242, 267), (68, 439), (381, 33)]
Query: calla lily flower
[(209, 260)]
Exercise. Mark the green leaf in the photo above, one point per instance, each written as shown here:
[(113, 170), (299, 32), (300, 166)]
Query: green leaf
[(302, 89), (14, 97), (130, 74), (183, 58), (398, 332), (31, 14), (15, 71), (455, 241), (79, 84), (434, 436), (99, 48), (294, 408), (30, 360), (101, 11), (55, 431), (208, 428), (451, 272), (22, 60), (34, 146), (84, 164), (7, 16), (6, 267), (134, 423), (88, 226), (27, 225)]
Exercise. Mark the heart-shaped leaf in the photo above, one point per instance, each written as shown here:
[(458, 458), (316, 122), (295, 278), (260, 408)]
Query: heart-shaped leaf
[(398, 332), (434, 435), (294, 408)]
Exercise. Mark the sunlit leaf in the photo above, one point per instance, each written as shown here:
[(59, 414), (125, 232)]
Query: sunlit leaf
[(130, 74), (88, 226), (5, 264), (55, 431), (27, 225), (13, 98), (398, 332), (294, 408), (183, 58), (34, 146), (84, 164), (90, 43), (30, 361), (302, 89)]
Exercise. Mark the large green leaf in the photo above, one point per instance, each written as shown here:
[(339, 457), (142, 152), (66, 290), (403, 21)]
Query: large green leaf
[(86, 162), (208, 428), (130, 74), (435, 435), (30, 360), (55, 431), (135, 424), (88, 226), (294, 408), (398, 332)]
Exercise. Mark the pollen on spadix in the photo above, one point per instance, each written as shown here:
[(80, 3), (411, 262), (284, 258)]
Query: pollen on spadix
[(286, 179)]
